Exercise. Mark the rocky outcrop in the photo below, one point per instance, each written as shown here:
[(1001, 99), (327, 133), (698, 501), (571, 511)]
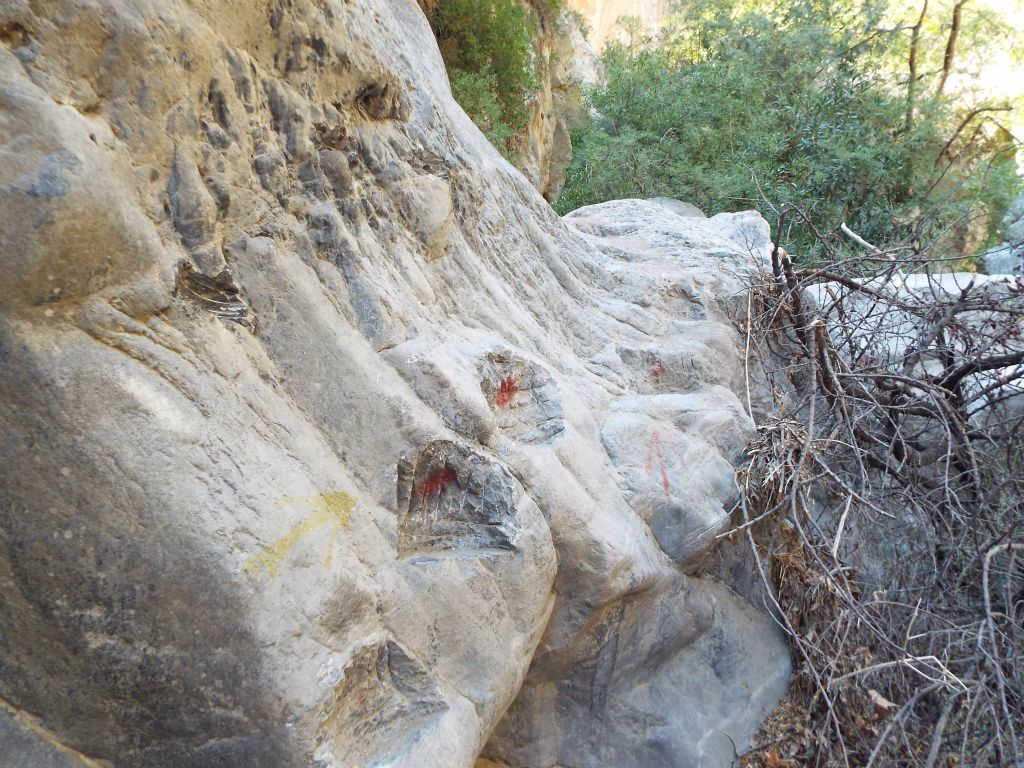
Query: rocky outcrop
[(566, 65), (1008, 257), (325, 441)]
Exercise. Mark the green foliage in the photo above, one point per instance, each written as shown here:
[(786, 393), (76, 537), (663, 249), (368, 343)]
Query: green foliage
[(487, 47), (802, 102), (477, 93)]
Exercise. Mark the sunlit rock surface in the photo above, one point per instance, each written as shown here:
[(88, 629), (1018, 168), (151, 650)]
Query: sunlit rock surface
[(325, 442), (610, 20)]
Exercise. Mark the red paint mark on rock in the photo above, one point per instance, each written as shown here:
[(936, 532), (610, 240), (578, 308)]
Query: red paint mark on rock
[(658, 372), (655, 448), (437, 482), (506, 392)]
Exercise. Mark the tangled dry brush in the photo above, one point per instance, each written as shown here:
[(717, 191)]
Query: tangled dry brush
[(884, 501)]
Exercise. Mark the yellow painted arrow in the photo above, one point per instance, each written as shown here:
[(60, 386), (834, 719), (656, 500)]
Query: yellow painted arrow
[(334, 508)]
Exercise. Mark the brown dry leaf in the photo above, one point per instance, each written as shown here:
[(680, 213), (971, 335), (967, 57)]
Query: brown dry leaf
[(865, 653), (882, 705), (772, 760), (864, 726)]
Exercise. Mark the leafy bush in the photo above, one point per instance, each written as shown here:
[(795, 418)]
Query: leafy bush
[(476, 93), (802, 102), (487, 47)]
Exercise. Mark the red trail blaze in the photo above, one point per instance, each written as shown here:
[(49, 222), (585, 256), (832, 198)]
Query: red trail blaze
[(655, 449), (437, 482), (506, 392)]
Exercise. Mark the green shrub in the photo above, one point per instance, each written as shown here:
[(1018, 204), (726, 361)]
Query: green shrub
[(488, 49), (476, 93), (802, 102)]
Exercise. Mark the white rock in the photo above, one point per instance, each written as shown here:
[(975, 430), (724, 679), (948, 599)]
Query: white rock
[(345, 497)]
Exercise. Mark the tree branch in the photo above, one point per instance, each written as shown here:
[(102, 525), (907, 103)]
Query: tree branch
[(951, 378), (963, 124)]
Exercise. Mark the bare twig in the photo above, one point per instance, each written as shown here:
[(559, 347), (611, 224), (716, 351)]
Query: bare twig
[(872, 501)]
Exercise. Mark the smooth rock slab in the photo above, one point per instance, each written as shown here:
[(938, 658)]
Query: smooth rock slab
[(315, 445)]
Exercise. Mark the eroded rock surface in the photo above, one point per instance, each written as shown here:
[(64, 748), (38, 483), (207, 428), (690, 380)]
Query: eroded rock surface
[(566, 65), (325, 441)]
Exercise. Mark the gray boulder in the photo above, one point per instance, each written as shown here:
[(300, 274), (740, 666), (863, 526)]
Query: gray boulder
[(1008, 257), (325, 442)]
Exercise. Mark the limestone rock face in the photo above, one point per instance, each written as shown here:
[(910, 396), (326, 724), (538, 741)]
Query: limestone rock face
[(325, 442), (566, 65), (606, 17)]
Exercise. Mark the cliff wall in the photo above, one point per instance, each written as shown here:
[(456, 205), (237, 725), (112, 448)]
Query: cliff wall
[(325, 441), (604, 17)]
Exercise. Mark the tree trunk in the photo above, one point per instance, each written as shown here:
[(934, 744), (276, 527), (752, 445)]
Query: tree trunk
[(954, 32), (915, 39)]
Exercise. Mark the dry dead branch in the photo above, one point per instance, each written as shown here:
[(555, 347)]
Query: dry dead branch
[(884, 507)]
